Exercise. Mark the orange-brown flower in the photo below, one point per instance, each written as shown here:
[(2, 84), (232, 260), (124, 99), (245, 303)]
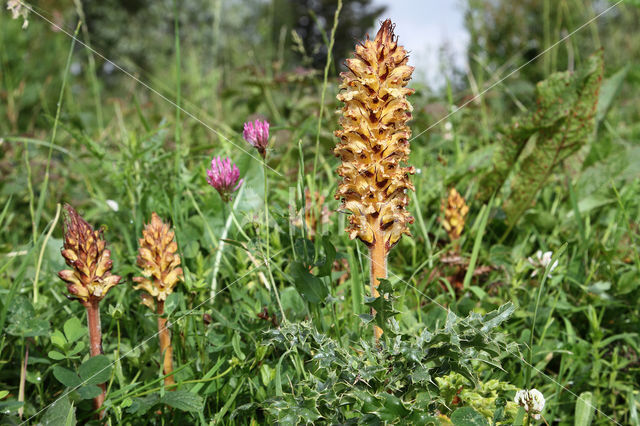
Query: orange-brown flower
[(85, 251), (159, 262), (455, 211), (374, 140)]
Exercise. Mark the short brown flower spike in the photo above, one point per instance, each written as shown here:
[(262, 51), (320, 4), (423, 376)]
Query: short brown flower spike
[(455, 211), (159, 262), (374, 140), (85, 251)]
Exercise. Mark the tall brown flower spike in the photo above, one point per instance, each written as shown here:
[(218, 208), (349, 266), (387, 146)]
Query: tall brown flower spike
[(374, 144), (160, 266), (455, 211), (85, 251)]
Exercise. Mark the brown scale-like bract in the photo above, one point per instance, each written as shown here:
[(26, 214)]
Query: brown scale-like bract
[(374, 140)]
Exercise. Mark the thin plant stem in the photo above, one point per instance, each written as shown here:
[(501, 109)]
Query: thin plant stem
[(267, 259), (164, 335), (228, 218), (324, 86), (95, 344), (547, 270), (45, 182), (41, 256)]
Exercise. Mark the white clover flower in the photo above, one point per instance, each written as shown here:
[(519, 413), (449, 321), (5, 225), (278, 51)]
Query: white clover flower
[(541, 261), (532, 401), (113, 205)]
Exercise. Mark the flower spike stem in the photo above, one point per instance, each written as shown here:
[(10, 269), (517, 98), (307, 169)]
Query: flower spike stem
[(165, 346), (378, 256), (89, 278), (95, 343)]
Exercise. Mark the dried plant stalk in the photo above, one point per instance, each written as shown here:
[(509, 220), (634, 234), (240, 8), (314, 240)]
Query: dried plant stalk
[(90, 279), (374, 145), (160, 266)]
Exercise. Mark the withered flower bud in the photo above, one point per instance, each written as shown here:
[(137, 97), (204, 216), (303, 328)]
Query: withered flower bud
[(374, 140), (159, 262), (85, 251), (455, 211)]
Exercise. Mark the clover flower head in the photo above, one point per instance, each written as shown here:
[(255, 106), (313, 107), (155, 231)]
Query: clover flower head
[(257, 134), (541, 261), (224, 177), (532, 401)]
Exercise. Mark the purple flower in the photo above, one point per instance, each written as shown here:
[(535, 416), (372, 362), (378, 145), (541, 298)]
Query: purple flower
[(224, 177), (257, 134)]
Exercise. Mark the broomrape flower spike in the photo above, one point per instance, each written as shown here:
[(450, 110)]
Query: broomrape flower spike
[(455, 211), (224, 177), (159, 262), (85, 251), (257, 134), (532, 401), (374, 144)]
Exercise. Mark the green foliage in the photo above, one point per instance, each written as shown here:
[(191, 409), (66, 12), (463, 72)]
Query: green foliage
[(395, 383), (237, 360), (562, 123)]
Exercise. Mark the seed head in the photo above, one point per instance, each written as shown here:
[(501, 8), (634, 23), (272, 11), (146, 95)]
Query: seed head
[(224, 177), (374, 140), (455, 211), (159, 262), (85, 251), (257, 134)]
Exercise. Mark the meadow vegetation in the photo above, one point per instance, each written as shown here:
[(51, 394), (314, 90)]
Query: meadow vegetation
[(218, 213)]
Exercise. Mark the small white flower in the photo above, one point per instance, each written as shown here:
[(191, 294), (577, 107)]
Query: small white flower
[(541, 261), (418, 171), (532, 401), (448, 126), (113, 205), (19, 9)]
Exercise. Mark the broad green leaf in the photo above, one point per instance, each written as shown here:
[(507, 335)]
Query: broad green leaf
[(66, 376), (23, 320), (95, 370), (467, 416), (55, 355), (183, 400), (311, 288), (58, 339), (563, 121), (610, 88), (73, 329), (61, 412), (89, 391), (584, 409)]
